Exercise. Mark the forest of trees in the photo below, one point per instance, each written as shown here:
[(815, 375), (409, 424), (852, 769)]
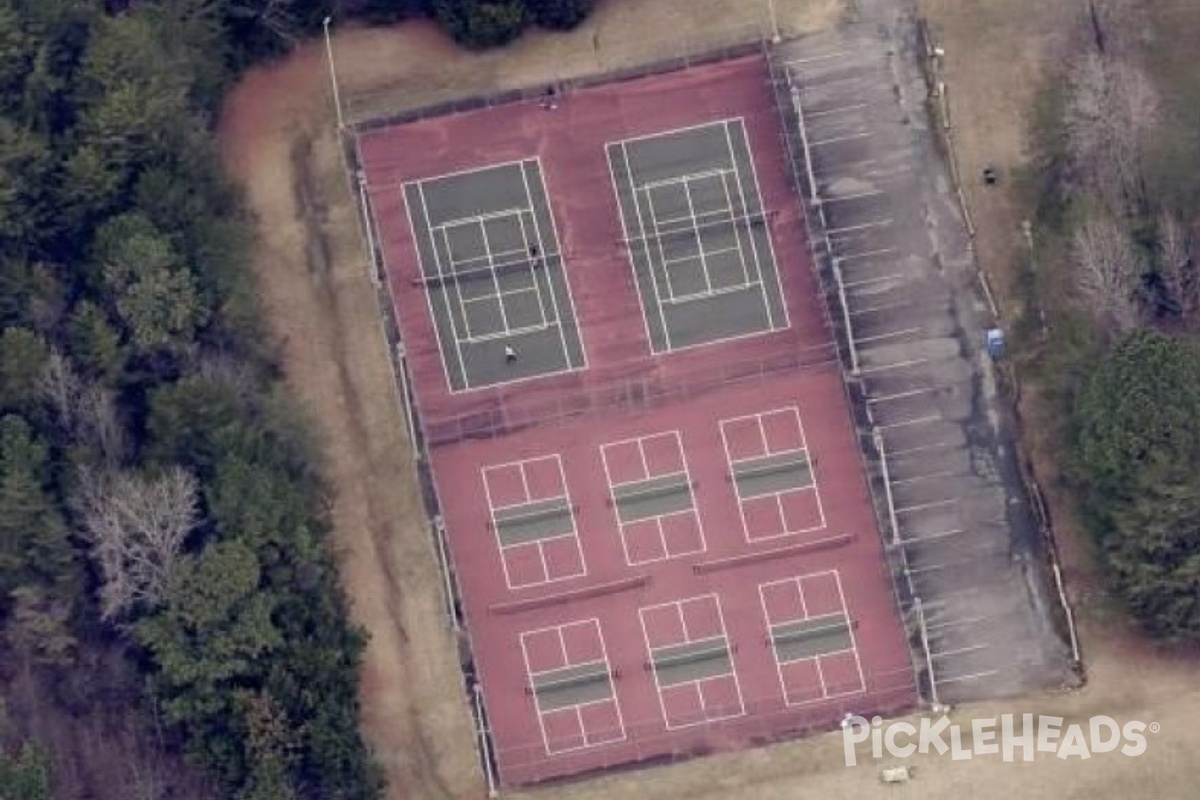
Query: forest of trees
[(171, 621), (1116, 185)]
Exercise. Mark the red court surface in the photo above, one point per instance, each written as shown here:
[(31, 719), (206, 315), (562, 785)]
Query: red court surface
[(634, 589)]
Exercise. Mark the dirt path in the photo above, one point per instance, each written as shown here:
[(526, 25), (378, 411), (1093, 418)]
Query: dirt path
[(277, 140)]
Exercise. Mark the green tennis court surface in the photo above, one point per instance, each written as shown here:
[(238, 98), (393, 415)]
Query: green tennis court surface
[(492, 270), (697, 235)]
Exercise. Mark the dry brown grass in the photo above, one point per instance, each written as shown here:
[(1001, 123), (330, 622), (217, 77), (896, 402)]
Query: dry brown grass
[(278, 142)]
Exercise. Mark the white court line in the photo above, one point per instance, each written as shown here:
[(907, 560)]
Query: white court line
[(693, 510), (612, 176), (924, 506), (879, 223), (531, 675), (896, 365), (881, 337), (887, 398), (507, 334), (459, 222), (433, 321), (958, 651), (537, 230), (677, 179), (662, 253), (842, 198), (932, 536), (741, 191), (637, 208), (913, 421), (495, 277), (724, 636), (437, 259), (839, 110), (931, 476), (537, 286), (565, 496), (687, 473), (871, 281), (882, 251), (850, 137), (798, 582), (687, 193), (768, 451), (919, 449), (563, 272), (672, 131), (737, 231), (695, 296), (810, 59), (776, 267), (474, 170), (970, 677)]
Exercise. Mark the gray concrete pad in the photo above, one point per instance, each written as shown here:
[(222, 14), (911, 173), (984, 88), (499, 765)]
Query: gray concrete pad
[(880, 203)]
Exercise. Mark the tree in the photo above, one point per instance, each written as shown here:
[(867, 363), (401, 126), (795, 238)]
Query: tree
[(1113, 108), (33, 541), (26, 167), (23, 356), (1137, 441), (1108, 272), (482, 23), (26, 775), (93, 341), (559, 14), (212, 640), (1176, 266), (155, 295), (136, 526)]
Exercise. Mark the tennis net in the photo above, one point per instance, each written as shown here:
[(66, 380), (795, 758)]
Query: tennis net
[(492, 272)]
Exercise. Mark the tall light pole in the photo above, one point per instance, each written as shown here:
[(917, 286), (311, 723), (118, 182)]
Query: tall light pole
[(337, 99), (775, 37)]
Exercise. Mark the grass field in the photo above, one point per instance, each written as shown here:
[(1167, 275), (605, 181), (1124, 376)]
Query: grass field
[(279, 142)]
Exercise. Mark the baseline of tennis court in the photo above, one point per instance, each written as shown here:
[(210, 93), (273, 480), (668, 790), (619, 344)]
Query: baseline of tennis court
[(697, 234), (533, 521), (772, 474), (812, 638), (492, 269), (692, 661)]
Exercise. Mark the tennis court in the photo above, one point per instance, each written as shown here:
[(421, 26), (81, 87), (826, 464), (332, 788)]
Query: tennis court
[(812, 638), (697, 234), (492, 269), (621, 533), (772, 473)]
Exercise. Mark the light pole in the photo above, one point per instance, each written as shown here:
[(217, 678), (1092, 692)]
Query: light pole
[(775, 37), (337, 99)]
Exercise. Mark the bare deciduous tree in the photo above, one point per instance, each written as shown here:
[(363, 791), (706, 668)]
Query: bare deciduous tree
[(99, 424), (136, 526), (1108, 272), (1175, 264), (1113, 108), (61, 387)]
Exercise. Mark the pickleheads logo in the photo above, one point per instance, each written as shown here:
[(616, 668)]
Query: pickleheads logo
[(1006, 736)]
